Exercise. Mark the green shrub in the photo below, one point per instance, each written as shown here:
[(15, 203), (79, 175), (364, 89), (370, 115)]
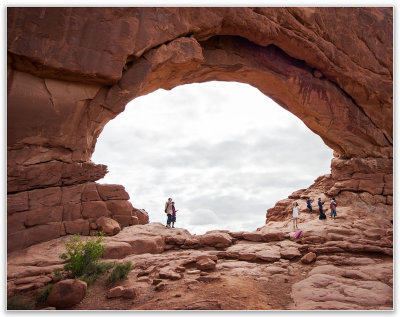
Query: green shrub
[(20, 303), (120, 272), (93, 271), (82, 256), (42, 296)]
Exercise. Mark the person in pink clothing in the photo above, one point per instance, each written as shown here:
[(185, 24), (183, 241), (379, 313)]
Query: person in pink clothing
[(173, 218)]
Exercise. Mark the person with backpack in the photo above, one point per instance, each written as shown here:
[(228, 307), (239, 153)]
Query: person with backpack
[(173, 218), (168, 211), (321, 211), (295, 215), (309, 201), (333, 207)]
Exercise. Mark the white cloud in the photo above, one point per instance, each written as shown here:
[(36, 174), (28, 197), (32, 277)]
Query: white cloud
[(223, 148)]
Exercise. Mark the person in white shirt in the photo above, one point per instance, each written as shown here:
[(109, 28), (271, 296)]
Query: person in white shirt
[(295, 215)]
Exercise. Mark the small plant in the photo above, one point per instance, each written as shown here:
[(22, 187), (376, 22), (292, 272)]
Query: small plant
[(82, 256), (20, 303), (120, 272), (42, 296), (93, 271)]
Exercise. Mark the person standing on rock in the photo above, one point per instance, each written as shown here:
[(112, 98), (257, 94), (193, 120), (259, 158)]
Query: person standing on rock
[(168, 211), (333, 207), (309, 201), (295, 215), (321, 211), (173, 218)]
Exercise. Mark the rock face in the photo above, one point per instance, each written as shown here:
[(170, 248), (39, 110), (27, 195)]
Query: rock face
[(78, 68)]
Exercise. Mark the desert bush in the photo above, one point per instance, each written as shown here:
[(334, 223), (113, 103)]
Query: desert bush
[(93, 271), (82, 256), (19, 302), (120, 272)]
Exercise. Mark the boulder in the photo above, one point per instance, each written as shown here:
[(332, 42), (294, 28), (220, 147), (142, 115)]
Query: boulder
[(141, 214), (108, 225), (117, 250), (217, 239), (308, 258), (205, 264), (115, 292), (67, 293), (121, 291)]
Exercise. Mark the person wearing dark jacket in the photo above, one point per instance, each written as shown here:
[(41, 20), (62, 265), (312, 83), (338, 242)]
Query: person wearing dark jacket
[(309, 201), (321, 211)]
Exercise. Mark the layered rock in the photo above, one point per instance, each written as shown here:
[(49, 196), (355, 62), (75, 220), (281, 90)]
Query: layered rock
[(44, 214), (78, 68)]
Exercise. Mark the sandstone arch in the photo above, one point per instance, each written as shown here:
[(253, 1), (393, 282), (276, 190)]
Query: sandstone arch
[(71, 70)]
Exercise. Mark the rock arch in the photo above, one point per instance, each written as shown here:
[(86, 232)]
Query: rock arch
[(71, 70)]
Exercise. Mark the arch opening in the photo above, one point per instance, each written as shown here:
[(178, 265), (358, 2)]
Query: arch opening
[(224, 151)]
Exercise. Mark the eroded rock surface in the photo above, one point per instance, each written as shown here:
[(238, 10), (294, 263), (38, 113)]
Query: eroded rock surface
[(346, 267)]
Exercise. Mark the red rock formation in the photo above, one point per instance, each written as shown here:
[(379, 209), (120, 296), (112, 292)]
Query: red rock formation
[(77, 68), (67, 293)]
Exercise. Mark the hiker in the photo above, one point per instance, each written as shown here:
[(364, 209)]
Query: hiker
[(309, 201), (295, 215), (168, 211), (321, 211), (173, 218), (333, 207)]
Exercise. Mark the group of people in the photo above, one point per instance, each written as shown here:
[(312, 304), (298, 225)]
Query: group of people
[(171, 213), (322, 215)]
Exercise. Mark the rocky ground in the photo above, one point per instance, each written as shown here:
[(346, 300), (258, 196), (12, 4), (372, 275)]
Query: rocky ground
[(341, 264)]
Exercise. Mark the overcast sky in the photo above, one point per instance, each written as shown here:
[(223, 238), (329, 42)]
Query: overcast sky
[(223, 151)]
